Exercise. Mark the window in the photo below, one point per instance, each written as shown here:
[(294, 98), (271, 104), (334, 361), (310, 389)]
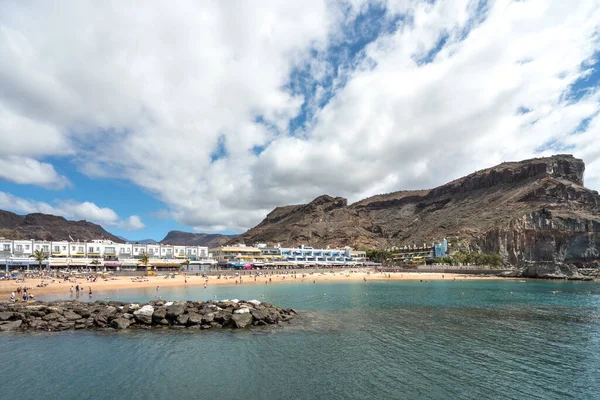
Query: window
[(7, 248), (26, 247), (64, 248), (46, 247), (57, 248), (19, 247), (72, 248), (81, 249)]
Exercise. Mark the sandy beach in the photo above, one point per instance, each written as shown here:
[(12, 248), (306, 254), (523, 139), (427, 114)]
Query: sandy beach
[(126, 282)]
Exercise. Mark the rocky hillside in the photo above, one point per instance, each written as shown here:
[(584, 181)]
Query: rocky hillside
[(535, 209), (49, 227), (195, 239)]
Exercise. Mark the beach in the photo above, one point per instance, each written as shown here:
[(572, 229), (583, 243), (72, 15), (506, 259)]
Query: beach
[(58, 286)]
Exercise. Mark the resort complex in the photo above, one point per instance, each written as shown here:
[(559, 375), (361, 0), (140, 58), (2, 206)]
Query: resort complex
[(101, 254), (110, 256)]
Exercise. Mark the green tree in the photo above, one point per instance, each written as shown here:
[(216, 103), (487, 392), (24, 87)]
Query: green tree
[(39, 256), (380, 256), (186, 263), (145, 259)]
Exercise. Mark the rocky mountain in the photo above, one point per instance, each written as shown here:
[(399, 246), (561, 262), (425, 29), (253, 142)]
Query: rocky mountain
[(49, 227), (195, 239), (142, 241), (532, 210)]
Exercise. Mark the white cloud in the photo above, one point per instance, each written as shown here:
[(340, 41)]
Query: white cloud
[(148, 93), (133, 223), (25, 170), (71, 209)]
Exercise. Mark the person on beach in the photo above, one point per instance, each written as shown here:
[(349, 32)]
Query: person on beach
[(71, 290), (77, 290), (90, 291), (204, 285), (12, 296)]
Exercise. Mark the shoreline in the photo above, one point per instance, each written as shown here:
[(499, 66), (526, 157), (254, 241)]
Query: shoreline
[(126, 282)]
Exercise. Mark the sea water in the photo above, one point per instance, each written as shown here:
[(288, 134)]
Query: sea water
[(353, 340)]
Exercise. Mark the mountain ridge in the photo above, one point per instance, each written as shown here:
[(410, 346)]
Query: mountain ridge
[(176, 237), (50, 227), (534, 209)]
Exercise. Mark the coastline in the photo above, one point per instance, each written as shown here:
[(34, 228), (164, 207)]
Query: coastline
[(126, 282)]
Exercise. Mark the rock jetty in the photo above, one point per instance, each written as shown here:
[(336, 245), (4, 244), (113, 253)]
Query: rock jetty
[(116, 315)]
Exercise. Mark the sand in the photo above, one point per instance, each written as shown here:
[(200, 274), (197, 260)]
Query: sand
[(125, 282)]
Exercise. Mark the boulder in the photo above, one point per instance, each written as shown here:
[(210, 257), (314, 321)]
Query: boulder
[(183, 319), (241, 320), (259, 315), (71, 316), (6, 315), (110, 310), (11, 325), (50, 317), (194, 319), (255, 303), (175, 310), (208, 318), (38, 324), (144, 314), (101, 320), (223, 317), (120, 323), (159, 313)]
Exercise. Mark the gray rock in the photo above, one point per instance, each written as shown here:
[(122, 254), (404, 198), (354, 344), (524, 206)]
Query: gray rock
[(194, 319), (38, 324), (101, 320), (259, 315), (6, 315), (120, 323), (183, 319), (11, 326), (71, 316), (208, 318), (50, 317), (144, 314), (160, 313), (175, 310), (241, 320)]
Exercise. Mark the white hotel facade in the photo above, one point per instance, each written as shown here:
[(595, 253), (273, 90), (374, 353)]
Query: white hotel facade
[(17, 254)]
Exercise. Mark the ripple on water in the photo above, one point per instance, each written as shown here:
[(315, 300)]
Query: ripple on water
[(434, 340)]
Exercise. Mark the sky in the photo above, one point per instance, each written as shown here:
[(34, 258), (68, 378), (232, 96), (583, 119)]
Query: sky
[(148, 116)]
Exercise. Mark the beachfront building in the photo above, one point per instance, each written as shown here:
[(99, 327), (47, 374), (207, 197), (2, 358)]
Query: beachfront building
[(236, 256), (101, 254), (308, 256), (413, 254)]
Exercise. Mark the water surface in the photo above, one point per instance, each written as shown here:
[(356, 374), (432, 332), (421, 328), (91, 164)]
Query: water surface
[(364, 340)]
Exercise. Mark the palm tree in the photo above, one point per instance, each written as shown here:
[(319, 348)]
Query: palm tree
[(145, 259), (95, 263), (186, 263), (39, 256)]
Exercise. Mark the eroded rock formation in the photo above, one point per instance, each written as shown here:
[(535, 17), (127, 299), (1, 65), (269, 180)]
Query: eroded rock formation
[(533, 210)]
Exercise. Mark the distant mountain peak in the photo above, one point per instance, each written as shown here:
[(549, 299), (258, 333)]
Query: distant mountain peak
[(50, 227)]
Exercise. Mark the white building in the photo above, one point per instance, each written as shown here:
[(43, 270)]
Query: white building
[(17, 254)]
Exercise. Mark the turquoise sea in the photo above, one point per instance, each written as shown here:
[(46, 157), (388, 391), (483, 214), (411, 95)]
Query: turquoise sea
[(359, 340)]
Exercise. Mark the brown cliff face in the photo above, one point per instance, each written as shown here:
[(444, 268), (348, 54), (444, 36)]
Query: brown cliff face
[(50, 227), (530, 210), (195, 239)]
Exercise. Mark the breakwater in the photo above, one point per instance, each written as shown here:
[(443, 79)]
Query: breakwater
[(115, 315)]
